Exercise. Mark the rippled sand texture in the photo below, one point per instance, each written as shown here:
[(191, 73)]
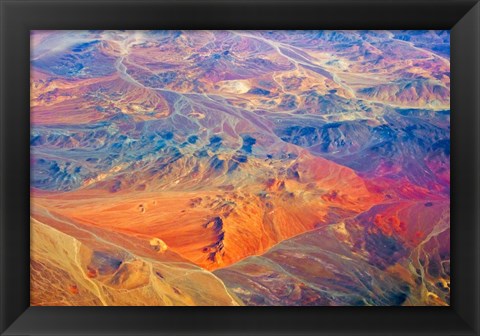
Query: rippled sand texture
[(240, 168)]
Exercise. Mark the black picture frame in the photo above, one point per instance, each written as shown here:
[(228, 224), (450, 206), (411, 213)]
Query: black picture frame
[(18, 17)]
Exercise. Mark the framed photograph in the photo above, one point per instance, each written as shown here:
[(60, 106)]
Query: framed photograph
[(228, 167)]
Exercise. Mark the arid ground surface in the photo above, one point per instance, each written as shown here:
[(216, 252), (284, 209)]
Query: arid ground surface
[(240, 168)]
